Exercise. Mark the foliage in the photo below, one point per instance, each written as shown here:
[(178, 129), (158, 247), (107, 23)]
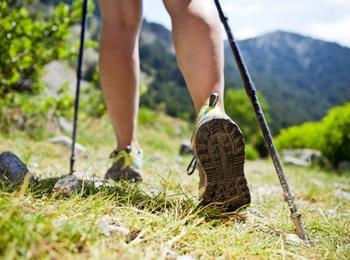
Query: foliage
[(33, 112), (251, 153), (337, 134), (29, 42), (32, 39), (239, 108), (331, 135), (306, 135)]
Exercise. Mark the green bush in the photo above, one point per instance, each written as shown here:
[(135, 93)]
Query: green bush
[(32, 38), (147, 116), (239, 108), (251, 153), (28, 42), (32, 112), (336, 134), (331, 135), (306, 135)]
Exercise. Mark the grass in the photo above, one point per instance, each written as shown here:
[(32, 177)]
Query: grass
[(160, 218)]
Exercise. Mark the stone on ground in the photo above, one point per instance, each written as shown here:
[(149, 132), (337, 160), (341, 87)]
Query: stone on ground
[(294, 239), (185, 148), (66, 141), (12, 169), (67, 185), (305, 157)]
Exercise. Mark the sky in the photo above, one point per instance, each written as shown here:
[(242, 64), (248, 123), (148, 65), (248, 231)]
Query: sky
[(323, 19)]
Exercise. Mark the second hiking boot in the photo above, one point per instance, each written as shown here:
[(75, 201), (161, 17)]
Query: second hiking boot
[(126, 165), (219, 155)]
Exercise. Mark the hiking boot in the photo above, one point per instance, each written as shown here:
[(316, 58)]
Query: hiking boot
[(219, 155), (126, 165)]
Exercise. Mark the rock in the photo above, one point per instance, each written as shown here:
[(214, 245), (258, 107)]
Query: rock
[(64, 124), (12, 169), (67, 185), (185, 148), (66, 141), (90, 63), (342, 194), (108, 229), (305, 158), (344, 166), (171, 255), (293, 238), (185, 257), (318, 183), (57, 74)]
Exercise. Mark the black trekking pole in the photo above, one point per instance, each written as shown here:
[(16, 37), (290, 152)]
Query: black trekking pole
[(77, 90), (251, 91)]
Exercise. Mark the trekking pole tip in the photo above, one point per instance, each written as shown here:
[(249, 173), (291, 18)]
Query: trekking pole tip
[(299, 227)]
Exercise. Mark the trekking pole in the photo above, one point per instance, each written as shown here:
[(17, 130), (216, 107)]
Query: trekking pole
[(77, 90), (251, 91)]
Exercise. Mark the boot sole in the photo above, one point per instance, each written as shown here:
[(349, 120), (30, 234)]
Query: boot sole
[(219, 149)]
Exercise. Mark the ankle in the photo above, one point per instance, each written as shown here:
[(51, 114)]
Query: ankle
[(134, 145)]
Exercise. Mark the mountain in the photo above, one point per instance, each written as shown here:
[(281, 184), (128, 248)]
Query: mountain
[(300, 77)]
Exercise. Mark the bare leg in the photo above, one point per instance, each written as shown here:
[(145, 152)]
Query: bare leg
[(119, 65), (198, 43)]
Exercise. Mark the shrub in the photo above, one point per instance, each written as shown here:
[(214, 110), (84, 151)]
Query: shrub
[(31, 39), (306, 135), (336, 134), (28, 42), (239, 108), (251, 153), (331, 135)]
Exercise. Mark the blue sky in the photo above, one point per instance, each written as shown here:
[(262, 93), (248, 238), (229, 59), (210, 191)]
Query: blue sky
[(324, 19)]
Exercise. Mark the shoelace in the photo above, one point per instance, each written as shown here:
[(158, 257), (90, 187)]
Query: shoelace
[(193, 165)]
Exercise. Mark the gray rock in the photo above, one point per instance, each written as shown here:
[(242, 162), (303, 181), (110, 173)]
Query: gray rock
[(344, 166), (90, 63), (185, 148), (294, 239), (12, 169), (67, 185), (57, 74), (342, 194), (64, 124), (66, 141), (305, 158)]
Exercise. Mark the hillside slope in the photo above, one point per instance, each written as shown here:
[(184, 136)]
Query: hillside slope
[(299, 76), (160, 218)]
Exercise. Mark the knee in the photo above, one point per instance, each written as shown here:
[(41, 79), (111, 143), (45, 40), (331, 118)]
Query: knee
[(197, 12), (121, 17), (121, 24)]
